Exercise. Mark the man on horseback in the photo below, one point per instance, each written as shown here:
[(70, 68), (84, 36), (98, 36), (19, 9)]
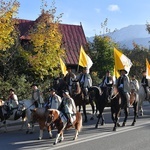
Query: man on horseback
[(144, 83), (85, 82), (12, 101), (69, 77), (68, 107), (107, 83), (36, 95), (123, 85), (54, 100)]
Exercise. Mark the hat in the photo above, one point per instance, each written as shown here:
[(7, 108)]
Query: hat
[(52, 90), (11, 90), (107, 71), (34, 84), (123, 70), (68, 68), (85, 68), (66, 92)]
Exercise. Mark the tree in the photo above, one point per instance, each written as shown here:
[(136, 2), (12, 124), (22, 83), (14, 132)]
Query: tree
[(102, 54), (46, 41), (7, 23)]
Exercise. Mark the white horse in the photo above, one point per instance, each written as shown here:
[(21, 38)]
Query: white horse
[(14, 115), (142, 96), (25, 106)]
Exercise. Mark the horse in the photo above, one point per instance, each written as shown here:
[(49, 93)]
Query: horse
[(101, 100), (14, 114), (54, 116), (142, 96), (80, 99), (59, 85), (25, 106), (117, 104), (39, 115)]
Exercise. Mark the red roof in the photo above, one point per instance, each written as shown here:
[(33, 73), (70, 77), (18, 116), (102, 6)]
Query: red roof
[(73, 38)]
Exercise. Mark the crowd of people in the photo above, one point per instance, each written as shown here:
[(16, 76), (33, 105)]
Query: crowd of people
[(67, 105)]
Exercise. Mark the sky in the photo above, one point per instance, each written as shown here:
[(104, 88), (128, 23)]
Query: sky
[(92, 13)]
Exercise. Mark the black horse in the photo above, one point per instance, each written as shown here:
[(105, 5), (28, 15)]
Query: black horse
[(100, 96), (118, 103), (78, 94)]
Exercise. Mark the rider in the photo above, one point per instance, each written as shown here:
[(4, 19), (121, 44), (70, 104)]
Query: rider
[(68, 107), (12, 101), (54, 100), (36, 95), (85, 82), (135, 83), (69, 77), (144, 83), (123, 85), (107, 82)]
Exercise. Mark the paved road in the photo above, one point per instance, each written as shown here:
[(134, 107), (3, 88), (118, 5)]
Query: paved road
[(103, 138)]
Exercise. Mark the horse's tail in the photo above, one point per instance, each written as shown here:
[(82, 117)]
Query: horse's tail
[(79, 121)]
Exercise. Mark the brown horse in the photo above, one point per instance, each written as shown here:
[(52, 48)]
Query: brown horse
[(54, 116), (39, 115), (78, 94)]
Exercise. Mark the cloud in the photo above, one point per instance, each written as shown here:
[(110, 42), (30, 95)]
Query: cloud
[(113, 8)]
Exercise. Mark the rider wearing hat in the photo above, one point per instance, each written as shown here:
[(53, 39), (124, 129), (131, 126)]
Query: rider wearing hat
[(68, 78), (68, 107), (85, 81), (123, 84), (54, 100)]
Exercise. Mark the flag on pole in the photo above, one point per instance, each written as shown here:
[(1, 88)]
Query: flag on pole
[(147, 69), (63, 67), (121, 62), (84, 59)]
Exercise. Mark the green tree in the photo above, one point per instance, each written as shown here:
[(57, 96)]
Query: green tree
[(46, 41), (102, 54)]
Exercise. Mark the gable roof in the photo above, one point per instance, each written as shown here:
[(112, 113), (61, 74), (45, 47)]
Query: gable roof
[(73, 38)]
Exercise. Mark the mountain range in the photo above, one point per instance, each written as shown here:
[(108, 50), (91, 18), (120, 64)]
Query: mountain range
[(127, 35)]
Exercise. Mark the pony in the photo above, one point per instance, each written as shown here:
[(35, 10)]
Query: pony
[(142, 96), (101, 100), (25, 106), (54, 116), (14, 114), (39, 115), (117, 104), (80, 99)]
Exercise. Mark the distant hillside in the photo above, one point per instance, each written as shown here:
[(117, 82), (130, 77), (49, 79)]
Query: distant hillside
[(127, 35)]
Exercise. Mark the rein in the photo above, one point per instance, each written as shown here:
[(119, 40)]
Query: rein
[(29, 106), (114, 96)]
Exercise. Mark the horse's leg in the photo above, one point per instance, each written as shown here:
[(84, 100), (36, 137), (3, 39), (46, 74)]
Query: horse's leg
[(93, 109), (49, 131), (57, 138), (41, 134), (99, 116), (103, 120), (126, 109), (62, 136), (84, 112), (76, 134), (135, 107)]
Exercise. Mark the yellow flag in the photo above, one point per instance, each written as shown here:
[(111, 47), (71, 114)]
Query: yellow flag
[(84, 59), (63, 67), (121, 62), (147, 69)]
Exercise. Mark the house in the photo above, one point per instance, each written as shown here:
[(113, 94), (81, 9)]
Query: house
[(72, 38)]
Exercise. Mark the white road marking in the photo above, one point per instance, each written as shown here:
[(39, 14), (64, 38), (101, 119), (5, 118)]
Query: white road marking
[(82, 140)]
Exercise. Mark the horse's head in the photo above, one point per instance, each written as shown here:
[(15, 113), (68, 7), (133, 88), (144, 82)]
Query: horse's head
[(114, 91), (51, 116), (76, 89)]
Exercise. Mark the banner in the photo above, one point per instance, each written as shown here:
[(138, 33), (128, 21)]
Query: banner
[(147, 69), (63, 67), (121, 62)]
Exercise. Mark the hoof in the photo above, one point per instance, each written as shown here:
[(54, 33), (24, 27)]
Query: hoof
[(114, 129), (118, 125), (39, 138), (133, 124), (123, 124), (96, 126), (54, 143), (27, 132), (102, 123), (92, 118)]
